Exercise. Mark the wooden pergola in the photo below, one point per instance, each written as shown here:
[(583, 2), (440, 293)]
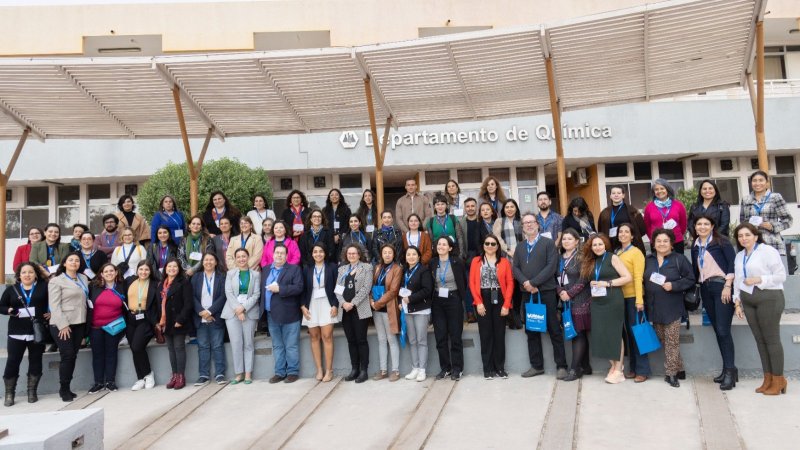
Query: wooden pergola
[(638, 54)]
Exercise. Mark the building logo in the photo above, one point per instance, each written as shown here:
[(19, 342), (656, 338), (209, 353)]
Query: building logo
[(348, 139)]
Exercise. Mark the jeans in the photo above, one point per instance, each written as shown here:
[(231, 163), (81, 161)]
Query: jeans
[(176, 346), (637, 363), (720, 314), (355, 330), (68, 350), (417, 331), (285, 348), (139, 334), (448, 325), (386, 337), (104, 355), (492, 330), (535, 354), (210, 343), (16, 350)]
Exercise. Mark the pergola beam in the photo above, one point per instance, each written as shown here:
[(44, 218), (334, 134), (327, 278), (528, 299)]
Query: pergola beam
[(646, 56), (4, 177), (555, 111), (283, 97), (362, 66), (24, 123), (761, 141), (173, 83), (97, 102), (194, 173), (378, 149), (464, 90)]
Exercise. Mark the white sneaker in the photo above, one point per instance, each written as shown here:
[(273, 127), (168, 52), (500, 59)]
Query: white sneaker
[(149, 381), (421, 375), (412, 375), (124, 341), (138, 386)]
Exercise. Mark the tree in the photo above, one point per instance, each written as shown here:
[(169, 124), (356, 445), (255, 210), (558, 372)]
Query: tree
[(237, 180)]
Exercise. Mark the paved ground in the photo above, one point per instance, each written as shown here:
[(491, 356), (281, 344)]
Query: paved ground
[(471, 413)]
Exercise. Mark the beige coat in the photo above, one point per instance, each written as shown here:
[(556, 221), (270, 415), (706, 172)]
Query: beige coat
[(67, 301), (141, 230)]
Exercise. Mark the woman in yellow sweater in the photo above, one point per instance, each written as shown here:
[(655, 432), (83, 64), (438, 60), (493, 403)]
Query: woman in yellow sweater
[(634, 300)]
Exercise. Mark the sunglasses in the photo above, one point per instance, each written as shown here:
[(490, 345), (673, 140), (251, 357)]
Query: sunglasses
[(490, 244)]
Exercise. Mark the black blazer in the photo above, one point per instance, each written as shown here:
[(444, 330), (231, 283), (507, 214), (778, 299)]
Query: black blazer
[(421, 286), (154, 256), (211, 226), (306, 245), (288, 217), (459, 273), (571, 222), (662, 306), (342, 216), (180, 305), (331, 272), (218, 297), (12, 298), (285, 305), (153, 309), (95, 262)]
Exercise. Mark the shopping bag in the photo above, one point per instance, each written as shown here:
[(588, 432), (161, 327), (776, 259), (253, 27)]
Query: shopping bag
[(403, 332), (566, 321), (536, 315), (645, 335)]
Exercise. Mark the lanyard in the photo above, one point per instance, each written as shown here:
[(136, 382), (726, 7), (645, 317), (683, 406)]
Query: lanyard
[(384, 272), (442, 223), (171, 218), (747, 258), (110, 242), (664, 215), (318, 275), (546, 223), (316, 234), (86, 259), (77, 280), (208, 282), (563, 264), (529, 247), (347, 272), (760, 205), (273, 275), (701, 258), (114, 290), (124, 255), (259, 215), (244, 240), (597, 267), (140, 285), (361, 237), (163, 253), (408, 237), (51, 254), (369, 216), (297, 215), (494, 203), (27, 294), (614, 213), (194, 243), (410, 274), (663, 263), (623, 250), (444, 272)]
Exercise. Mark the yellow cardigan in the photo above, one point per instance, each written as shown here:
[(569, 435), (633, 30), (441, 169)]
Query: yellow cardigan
[(634, 261)]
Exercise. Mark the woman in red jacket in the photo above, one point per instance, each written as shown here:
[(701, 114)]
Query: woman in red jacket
[(23, 252), (492, 285)]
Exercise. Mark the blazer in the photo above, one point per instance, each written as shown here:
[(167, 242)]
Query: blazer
[(206, 246), (12, 299), (667, 306), (141, 231), (389, 298), (153, 308), (217, 295), (22, 254), (329, 280), (179, 308), (425, 247), (175, 222), (342, 215), (393, 237), (540, 267), (253, 245), (504, 277), (363, 289), (306, 242), (251, 304), (96, 261), (39, 252), (67, 300), (723, 253), (211, 225), (154, 257), (634, 218), (459, 274), (421, 286), (285, 305), (476, 243)]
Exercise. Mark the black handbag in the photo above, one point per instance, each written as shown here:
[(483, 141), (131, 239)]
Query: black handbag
[(39, 328), (691, 296)]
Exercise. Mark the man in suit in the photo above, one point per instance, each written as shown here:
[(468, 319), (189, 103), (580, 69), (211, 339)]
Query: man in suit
[(282, 292)]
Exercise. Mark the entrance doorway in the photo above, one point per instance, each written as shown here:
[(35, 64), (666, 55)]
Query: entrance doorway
[(394, 186)]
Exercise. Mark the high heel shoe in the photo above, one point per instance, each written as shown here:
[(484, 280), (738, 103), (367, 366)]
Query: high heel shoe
[(729, 379), (765, 385), (672, 380), (778, 386)]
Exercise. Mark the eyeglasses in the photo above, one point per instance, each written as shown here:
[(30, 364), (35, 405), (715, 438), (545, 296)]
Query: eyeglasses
[(529, 222), (490, 244)]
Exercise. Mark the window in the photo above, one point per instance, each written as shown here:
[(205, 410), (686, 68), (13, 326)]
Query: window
[(502, 175), (784, 181), (436, 177), (37, 196), (616, 170), (286, 184), (469, 176), (670, 170), (100, 204), (784, 165), (319, 182), (642, 171), (35, 214), (99, 191), (700, 168), (526, 176), (727, 165), (728, 188), (14, 224), (636, 194), (753, 163), (774, 67), (68, 211), (350, 181)]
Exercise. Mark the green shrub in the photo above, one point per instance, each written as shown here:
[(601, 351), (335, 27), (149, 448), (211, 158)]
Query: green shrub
[(237, 180)]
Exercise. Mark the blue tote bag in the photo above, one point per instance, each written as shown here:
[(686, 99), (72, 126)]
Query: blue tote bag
[(403, 329), (645, 336), (536, 315), (566, 321)]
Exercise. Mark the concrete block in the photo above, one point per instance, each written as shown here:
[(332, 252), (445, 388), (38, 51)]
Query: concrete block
[(64, 429)]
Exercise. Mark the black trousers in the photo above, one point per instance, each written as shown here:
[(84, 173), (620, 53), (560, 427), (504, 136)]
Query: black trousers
[(139, 333), (355, 330), (535, 354), (448, 324), (492, 330), (16, 350), (105, 349), (68, 350)]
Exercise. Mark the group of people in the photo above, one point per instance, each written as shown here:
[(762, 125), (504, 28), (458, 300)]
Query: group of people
[(444, 260)]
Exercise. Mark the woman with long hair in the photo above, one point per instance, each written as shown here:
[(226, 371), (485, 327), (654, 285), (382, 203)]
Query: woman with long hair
[(491, 192), (368, 213), (574, 288), (320, 308), (109, 319), (385, 313), (709, 203), (220, 206)]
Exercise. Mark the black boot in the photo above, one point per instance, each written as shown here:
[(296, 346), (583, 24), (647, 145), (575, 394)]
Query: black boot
[(720, 377), (65, 393), (574, 375), (362, 376), (353, 374), (11, 388), (681, 375), (729, 379), (672, 380), (33, 385)]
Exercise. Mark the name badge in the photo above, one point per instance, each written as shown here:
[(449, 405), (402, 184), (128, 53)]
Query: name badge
[(319, 293), (598, 291), (242, 298), (404, 292), (444, 292), (612, 232), (336, 224), (548, 235), (756, 220), (89, 273), (53, 269), (178, 233), (670, 224), (339, 289), (658, 279), (29, 312), (563, 280), (298, 227), (746, 288), (370, 228), (197, 256), (90, 303), (458, 212), (140, 316)]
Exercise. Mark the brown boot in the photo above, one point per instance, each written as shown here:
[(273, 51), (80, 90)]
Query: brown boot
[(765, 385), (778, 386)]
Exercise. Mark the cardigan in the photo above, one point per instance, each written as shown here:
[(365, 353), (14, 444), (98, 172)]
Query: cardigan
[(665, 307), (329, 273), (254, 247), (539, 268), (285, 304), (175, 222), (306, 242), (153, 308), (389, 298), (654, 220), (363, 286), (292, 252), (635, 219), (505, 278), (421, 286), (180, 305), (141, 232), (12, 298), (633, 258), (217, 295), (252, 306)]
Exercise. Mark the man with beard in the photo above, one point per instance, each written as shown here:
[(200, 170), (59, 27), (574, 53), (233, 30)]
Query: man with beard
[(549, 221)]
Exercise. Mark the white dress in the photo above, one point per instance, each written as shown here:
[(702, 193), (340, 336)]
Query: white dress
[(319, 308)]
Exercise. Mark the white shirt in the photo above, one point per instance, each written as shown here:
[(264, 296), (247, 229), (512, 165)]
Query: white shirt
[(764, 262), (206, 299), (258, 219)]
